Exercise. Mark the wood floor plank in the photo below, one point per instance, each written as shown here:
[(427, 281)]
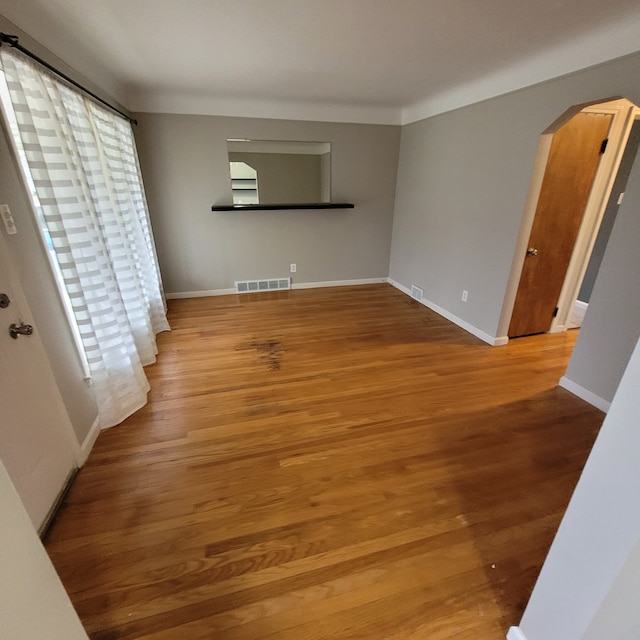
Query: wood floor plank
[(329, 463)]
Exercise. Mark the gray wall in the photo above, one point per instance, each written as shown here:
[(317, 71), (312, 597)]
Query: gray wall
[(587, 583), (611, 326), (41, 291), (610, 213), (463, 178), (185, 168), (284, 177)]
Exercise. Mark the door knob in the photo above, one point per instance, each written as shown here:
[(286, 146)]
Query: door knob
[(21, 329), (532, 252)]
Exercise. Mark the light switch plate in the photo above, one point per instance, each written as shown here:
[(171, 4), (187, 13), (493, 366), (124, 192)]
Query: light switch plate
[(7, 219)]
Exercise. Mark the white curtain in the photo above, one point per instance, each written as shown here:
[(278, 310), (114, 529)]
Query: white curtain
[(84, 165)]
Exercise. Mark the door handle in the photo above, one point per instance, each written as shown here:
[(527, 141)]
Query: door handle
[(532, 252), (21, 329)]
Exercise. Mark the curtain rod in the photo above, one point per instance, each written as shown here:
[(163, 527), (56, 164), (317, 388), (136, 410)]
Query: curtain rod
[(12, 41)]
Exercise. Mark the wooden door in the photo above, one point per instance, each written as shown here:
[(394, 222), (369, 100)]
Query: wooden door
[(36, 443), (574, 157)]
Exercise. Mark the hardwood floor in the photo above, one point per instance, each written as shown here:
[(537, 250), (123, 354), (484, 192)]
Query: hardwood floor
[(325, 464)]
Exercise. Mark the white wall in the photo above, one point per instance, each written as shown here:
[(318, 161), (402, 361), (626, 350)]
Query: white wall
[(33, 602), (585, 581), (185, 169), (618, 617)]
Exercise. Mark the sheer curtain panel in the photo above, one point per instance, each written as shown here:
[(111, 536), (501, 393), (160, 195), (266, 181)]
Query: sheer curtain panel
[(84, 166)]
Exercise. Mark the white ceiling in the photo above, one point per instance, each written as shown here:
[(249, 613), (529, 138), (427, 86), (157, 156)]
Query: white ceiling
[(385, 61)]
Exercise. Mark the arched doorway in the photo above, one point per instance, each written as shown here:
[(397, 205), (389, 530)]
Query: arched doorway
[(621, 114)]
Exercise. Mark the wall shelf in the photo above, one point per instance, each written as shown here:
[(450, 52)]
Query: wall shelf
[(285, 206)]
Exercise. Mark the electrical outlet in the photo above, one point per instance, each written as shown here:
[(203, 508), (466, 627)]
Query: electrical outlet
[(465, 295), (294, 267)]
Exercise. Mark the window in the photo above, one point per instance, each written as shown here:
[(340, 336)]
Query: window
[(12, 124), (80, 166)]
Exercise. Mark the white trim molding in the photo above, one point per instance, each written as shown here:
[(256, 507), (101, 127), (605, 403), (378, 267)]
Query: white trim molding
[(299, 285), (190, 103), (463, 324), (88, 442), (199, 294), (572, 56), (576, 316), (515, 633), (585, 394), (337, 283)]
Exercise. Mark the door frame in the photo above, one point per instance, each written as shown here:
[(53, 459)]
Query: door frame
[(624, 113)]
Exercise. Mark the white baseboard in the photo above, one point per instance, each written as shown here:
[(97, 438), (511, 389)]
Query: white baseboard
[(585, 394), (463, 324), (298, 285), (576, 316), (199, 294), (337, 283), (515, 633), (89, 441)]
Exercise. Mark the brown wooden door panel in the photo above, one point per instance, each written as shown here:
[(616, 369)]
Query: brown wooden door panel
[(573, 161)]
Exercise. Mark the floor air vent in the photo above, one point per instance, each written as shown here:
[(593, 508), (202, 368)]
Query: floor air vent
[(254, 286)]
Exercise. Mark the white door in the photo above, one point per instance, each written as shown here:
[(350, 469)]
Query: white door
[(37, 445)]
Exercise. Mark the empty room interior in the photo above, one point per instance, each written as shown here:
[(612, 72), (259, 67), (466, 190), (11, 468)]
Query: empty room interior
[(321, 319)]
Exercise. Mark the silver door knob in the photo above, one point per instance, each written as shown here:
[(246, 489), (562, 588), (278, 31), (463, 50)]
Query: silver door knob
[(532, 252), (21, 329)]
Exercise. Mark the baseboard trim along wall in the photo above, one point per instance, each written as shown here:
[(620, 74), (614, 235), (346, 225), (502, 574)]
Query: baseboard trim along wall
[(585, 394), (89, 441), (336, 283), (199, 294), (514, 633), (296, 285), (463, 324)]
